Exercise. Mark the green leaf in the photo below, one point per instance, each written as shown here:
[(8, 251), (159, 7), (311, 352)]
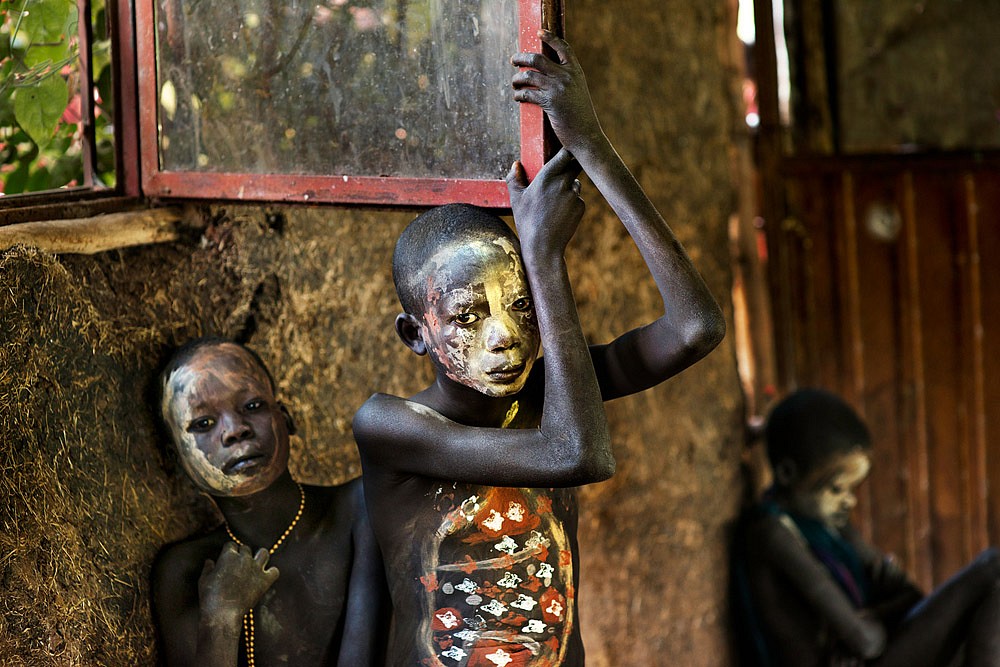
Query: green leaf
[(38, 108), (39, 180), (100, 21), (64, 170), (48, 20), (37, 56), (104, 84), (6, 99), (16, 180)]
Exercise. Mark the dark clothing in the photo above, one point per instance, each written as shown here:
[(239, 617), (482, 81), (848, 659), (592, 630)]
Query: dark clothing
[(807, 596)]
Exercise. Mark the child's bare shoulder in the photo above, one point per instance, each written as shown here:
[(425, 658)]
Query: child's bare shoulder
[(343, 504), (182, 561), (386, 416)]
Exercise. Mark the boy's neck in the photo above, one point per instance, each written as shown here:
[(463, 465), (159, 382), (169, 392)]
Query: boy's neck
[(259, 519), (465, 405)]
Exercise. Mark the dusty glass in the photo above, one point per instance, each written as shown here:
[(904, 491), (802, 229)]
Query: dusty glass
[(413, 88)]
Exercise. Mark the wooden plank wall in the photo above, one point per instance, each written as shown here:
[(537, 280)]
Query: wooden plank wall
[(907, 327)]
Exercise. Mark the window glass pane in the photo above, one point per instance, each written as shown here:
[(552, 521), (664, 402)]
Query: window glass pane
[(415, 88), (42, 112)]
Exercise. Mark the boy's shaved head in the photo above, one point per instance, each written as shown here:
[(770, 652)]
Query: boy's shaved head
[(427, 234), (812, 426), (188, 350)]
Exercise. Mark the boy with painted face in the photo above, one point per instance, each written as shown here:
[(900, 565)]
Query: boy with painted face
[(809, 592), (468, 481), (219, 600)]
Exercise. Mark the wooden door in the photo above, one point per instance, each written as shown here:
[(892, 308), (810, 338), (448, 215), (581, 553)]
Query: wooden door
[(886, 288)]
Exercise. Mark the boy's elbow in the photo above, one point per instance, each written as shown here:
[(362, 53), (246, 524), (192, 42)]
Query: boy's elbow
[(597, 466), (581, 460), (706, 333), (590, 473), (602, 470)]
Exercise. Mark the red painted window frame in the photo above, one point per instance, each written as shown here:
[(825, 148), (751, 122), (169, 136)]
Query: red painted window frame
[(85, 198), (333, 188)]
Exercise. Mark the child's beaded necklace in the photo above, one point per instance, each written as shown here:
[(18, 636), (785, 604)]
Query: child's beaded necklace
[(248, 634)]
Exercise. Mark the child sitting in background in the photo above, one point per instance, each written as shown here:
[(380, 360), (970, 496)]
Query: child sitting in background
[(808, 592)]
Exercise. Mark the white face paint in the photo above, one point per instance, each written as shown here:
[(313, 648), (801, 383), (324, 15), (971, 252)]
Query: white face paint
[(229, 431), (422, 409), (479, 322), (828, 494)]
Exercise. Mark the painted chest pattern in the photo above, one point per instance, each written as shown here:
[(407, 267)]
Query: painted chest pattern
[(498, 580)]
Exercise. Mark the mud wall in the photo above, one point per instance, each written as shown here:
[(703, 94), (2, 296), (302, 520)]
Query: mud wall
[(910, 75), (87, 495)]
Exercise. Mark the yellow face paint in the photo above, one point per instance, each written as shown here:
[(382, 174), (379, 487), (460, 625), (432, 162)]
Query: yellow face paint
[(479, 323), (829, 493)]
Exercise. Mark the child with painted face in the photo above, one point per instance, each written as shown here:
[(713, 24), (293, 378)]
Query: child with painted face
[(809, 592), (219, 599), (469, 480)]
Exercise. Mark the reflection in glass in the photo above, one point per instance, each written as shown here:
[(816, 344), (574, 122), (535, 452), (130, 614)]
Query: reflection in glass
[(417, 88)]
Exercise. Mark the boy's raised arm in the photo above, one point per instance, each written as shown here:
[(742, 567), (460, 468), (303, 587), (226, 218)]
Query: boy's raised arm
[(692, 323), (571, 446)]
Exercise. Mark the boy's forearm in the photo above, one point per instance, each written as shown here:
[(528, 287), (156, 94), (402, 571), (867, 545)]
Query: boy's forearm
[(573, 410), (218, 641), (691, 311)]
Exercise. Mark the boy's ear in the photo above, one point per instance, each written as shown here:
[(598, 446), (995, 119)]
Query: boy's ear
[(289, 422), (785, 472), (408, 329)]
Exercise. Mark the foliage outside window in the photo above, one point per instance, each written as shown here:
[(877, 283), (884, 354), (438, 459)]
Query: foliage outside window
[(45, 135)]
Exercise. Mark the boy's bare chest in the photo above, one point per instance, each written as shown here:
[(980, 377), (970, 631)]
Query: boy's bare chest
[(297, 620), (497, 571)]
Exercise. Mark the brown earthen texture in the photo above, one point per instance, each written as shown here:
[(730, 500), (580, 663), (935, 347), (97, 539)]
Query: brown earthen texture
[(87, 495), (654, 564)]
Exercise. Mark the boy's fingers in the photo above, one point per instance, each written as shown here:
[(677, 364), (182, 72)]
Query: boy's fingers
[(517, 179), (207, 567), (558, 44), (261, 557), (527, 77), (534, 61), (529, 95), (563, 162)]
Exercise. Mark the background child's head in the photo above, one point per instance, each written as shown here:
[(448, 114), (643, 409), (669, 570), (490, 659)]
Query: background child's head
[(465, 296), (228, 429), (818, 449)]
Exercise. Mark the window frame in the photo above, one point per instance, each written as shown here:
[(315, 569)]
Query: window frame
[(139, 182), (84, 199), (535, 143)]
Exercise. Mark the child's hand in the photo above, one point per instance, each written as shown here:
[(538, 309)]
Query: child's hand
[(560, 89), (233, 584), (548, 211)]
